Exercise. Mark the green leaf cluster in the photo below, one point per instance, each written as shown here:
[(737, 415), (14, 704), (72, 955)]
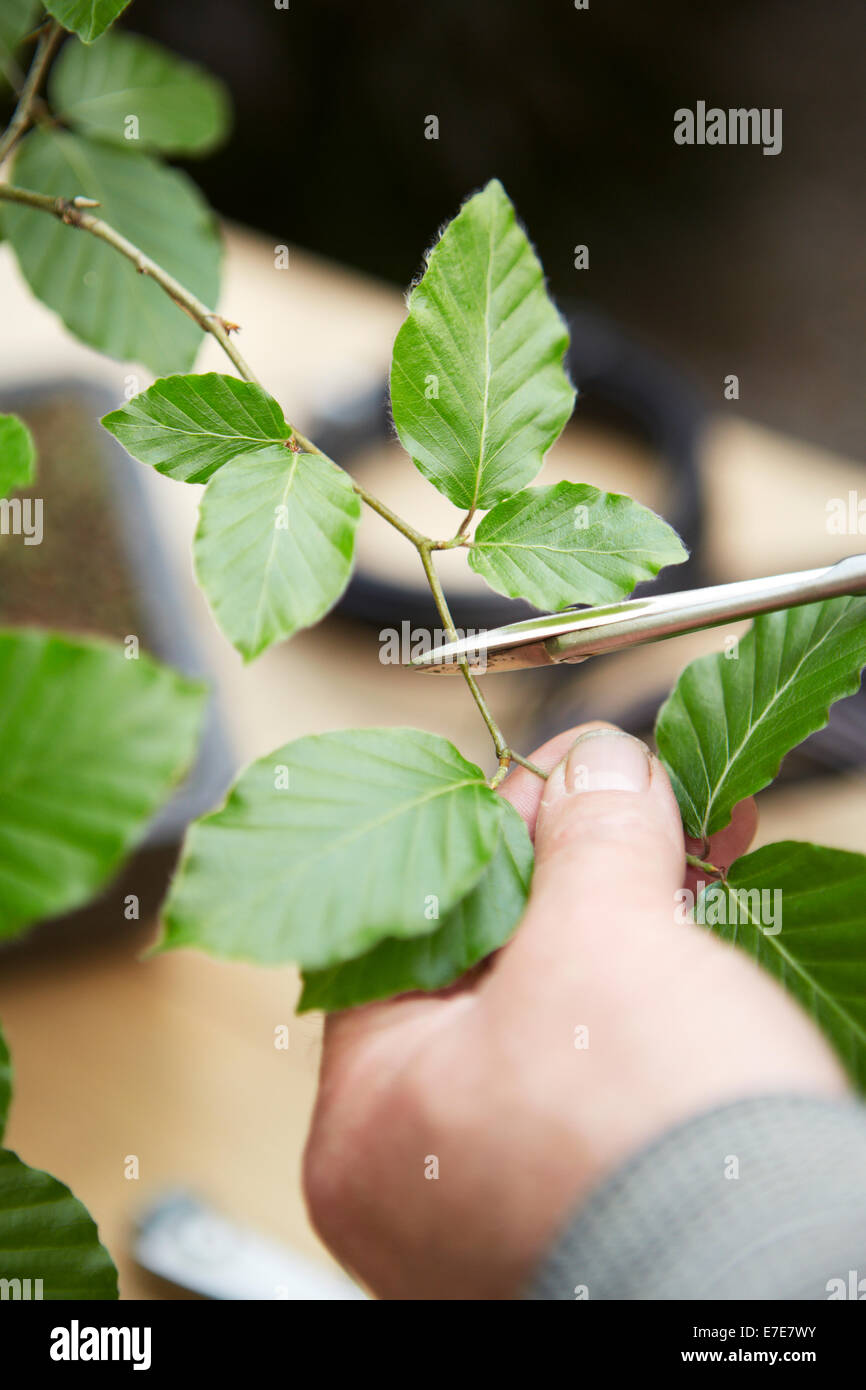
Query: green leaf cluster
[(379, 860), (119, 102), (382, 861), (479, 395), (372, 878), (276, 534)]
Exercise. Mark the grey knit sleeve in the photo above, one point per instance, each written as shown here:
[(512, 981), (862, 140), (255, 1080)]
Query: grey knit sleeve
[(763, 1198)]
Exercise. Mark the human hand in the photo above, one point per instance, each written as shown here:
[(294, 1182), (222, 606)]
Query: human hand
[(487, 1077)]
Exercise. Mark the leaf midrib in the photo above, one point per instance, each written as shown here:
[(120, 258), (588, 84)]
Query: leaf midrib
[(405, 808), (257, 633), (732, 757), (560, 550), (479, 467), (209, 434)]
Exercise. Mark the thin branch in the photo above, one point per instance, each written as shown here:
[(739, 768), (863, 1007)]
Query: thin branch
[(695, 863), (499, 743), (22, 117), (524, 762), (460, 537), (74, 212), (505, 754), (501, 771), (451, 544)]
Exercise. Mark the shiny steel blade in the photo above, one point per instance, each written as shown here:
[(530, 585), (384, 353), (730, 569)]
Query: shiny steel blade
[(576, 634)]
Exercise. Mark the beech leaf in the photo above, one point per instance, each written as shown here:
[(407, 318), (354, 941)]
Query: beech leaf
[(332, 843), (176, 106), (479, 924), (91, 744), (800, 911), (478, 389), (86, 18), (274, 545), (47, 1235), (571, 543), (189, 426), (723, 731)]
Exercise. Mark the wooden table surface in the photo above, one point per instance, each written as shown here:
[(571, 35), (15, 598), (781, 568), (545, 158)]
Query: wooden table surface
[(173, 1059)]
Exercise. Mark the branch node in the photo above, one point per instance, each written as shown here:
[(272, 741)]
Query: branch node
[(67, 211)]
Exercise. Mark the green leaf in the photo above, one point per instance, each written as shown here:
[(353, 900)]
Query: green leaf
[(189, 426), (332, 843), (17, 19), (179, 108), (46, 1234), (477, 385), (91, 744), (97, 292), (800, 910), (17, 455), (86, 18), (570, 543), (481, 923), (274, 545), (5, 1083), (725, 728)]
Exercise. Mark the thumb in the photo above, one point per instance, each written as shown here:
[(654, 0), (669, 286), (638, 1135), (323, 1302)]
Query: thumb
[(609, 852)]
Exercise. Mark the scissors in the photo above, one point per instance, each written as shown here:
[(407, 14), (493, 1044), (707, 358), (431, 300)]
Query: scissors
[(574, 635)]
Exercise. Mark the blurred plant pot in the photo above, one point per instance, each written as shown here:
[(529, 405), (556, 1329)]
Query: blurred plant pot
[(100, 569)]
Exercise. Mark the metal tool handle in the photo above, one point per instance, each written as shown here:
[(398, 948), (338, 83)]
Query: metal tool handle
[(668, 615)]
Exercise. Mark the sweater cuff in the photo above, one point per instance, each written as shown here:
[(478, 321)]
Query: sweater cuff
[(760, 1199)]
